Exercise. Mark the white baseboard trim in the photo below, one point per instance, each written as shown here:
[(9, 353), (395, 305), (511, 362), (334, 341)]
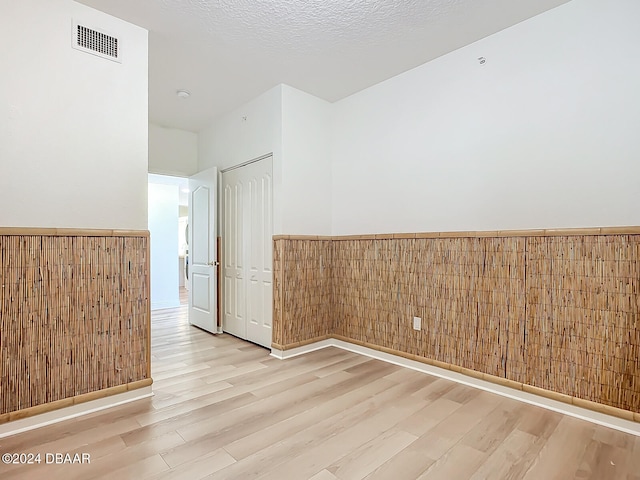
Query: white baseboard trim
[(294, 352), (48, 418), (598, 418)]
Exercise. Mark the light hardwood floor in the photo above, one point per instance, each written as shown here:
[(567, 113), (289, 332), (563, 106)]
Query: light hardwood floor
[(224, 409)]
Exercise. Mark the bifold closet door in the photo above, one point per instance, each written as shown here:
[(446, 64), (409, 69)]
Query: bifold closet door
[(247, 238)]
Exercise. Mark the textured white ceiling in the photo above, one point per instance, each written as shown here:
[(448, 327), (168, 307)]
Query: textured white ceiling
[(225, 52)]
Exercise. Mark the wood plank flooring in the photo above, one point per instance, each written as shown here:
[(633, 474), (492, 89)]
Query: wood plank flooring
[(224, 409)]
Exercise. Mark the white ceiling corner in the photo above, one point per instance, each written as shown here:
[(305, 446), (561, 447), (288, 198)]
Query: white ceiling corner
[(226, 52)]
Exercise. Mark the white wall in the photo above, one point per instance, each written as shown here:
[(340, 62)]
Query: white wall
[(294, 126), (172, 151), (249, 132), (306, 163), (73, 126), (163, 226), (545, 134)]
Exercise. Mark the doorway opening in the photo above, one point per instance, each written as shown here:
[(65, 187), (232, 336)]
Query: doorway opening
[(187, 266), (168, 199)]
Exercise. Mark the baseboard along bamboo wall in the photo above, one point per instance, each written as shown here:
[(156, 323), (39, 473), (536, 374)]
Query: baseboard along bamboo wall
[(554, 310), (74, 316)]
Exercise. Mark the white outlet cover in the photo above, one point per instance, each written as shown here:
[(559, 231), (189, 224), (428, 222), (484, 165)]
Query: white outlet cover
[(417, 323)]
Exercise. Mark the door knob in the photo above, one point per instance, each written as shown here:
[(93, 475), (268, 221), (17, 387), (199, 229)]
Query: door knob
[(214, 264)]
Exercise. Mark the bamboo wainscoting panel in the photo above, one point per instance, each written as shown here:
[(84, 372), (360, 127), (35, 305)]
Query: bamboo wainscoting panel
[(583, 329), (302, 291), (74, 316), (466, 291), (553, 310)]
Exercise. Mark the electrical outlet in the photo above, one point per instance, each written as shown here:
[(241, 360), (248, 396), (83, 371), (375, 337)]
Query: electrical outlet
[(417, 323)]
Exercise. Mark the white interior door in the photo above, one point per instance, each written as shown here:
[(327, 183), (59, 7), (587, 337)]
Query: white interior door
[(259, 263), (247, 246), (233, 267), (202, 250)]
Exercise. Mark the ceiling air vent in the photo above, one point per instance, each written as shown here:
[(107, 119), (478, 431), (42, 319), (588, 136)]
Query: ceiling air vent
[(96, 42)]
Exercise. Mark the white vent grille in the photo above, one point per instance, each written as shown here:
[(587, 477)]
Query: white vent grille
[(96, 42)]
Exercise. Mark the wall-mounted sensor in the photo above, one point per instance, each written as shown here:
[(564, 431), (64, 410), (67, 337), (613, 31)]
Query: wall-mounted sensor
[(183, 94), (482, 60)]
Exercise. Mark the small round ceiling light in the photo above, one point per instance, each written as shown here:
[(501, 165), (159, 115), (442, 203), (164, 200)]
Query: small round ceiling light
[(183, 94)]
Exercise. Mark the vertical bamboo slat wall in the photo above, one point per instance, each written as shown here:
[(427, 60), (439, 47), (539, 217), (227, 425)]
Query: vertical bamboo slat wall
[(74, 315), (302, 291), (380, 285), (583, 327), (556, 312)]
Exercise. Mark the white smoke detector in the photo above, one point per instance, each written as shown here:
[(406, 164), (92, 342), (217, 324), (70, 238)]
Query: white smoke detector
[(183, 94)]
